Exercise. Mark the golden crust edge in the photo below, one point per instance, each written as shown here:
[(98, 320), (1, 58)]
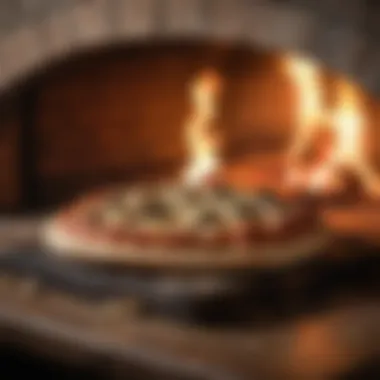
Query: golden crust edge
[(62, 244)]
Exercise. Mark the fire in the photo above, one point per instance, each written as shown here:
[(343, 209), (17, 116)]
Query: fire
[(202, 138), (344, 124), (306, 78), (350, 127), (310, 114), (335, 134)]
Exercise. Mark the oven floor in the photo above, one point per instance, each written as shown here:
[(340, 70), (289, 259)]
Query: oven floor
[(16, 362), (337, 338)]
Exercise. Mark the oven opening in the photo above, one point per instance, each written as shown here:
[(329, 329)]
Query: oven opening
[(192, 111)]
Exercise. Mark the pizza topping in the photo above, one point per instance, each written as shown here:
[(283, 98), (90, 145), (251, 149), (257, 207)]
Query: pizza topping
[(208, 218), (247, 211), (95, 217), (156, 209), (192, 196), (208, 225), (133, 198), (270, 213), (211, 216), (113, 217), (223, 192)]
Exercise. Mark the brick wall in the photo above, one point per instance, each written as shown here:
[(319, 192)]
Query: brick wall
[(342, 33)]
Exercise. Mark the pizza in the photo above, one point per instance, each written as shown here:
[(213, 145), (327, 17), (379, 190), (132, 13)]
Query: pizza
[(168, 223)]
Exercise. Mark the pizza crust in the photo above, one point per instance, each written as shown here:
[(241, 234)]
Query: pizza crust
[(77, 247)]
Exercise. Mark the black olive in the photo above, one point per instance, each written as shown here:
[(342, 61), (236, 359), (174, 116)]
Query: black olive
[(268, 196), (191, 196), (156, 209), (115, 198), (208, 218), (95, 217), (248, 211), (223, 192)]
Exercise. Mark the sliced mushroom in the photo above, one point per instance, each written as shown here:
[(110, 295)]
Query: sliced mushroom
[(156, 208), (95, 217), (272, 212), (114, 217)]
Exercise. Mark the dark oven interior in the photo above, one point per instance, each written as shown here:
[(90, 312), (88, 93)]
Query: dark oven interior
[(118, 114)]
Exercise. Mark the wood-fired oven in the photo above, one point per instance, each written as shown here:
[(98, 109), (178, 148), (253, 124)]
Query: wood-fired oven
[(96, 92)]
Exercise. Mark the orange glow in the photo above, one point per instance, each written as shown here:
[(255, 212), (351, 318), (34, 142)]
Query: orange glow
[(328, 143), (345, 124), (202, 139), (306, 78), (350, 125)]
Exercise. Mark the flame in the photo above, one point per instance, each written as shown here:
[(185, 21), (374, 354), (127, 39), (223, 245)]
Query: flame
[(350, 125), (307, 81), (306, 77), (348, 121), (345, 123), (202, 139)]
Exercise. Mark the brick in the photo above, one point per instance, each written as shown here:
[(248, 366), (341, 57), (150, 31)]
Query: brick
[(369, 74), (134, 18), (183, 17), (340, 49), (58, 33), (32, 31), (9, 15), (20, 52), (91, 22), (279, 27), (226, 19)]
